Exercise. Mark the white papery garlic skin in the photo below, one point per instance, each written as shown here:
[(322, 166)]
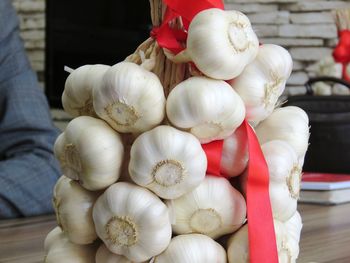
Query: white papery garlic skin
[(192, 248), (132, 222), (214, 209), (130, 98), (289, 124), (322, 89), (285, 177), (73, 206), (59, 249), (167, 161), (77, 94), (209, 109), (90, 151), (235, 157), (287, 241), (263, 81), (103, 255), (220, 43)]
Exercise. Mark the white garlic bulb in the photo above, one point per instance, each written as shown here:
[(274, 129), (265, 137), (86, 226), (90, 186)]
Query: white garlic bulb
[(287, 242), (59, 249), (238, 246), (285, 177), (73, 206), (209, 109), (263, 81), (132, 222), (220, 43), (167, 161), (340, 89), (214, 209), (192, 248), (90, 151), (289, 124), (77, 94), (130, 98), (235, 157), (103, 255), (322, 89), (287, 238)]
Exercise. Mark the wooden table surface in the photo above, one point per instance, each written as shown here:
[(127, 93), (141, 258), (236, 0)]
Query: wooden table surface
[(325, 236)]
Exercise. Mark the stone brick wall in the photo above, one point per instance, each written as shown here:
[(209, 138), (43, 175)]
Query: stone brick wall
[(31, 15), (305, 27)]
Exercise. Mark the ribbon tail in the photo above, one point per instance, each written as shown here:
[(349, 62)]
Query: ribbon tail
[(261, 232)]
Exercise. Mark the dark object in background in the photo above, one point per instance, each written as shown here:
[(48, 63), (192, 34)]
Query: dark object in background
[(329, 150), (90, 32)]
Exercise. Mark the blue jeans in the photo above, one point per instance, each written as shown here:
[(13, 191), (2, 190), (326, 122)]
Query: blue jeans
[(28, 168)]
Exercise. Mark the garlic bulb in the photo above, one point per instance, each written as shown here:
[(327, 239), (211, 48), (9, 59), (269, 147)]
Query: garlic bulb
[(287, 241), (132, 222), (77, 94), (73, 206), (235, 157), (130, 98), (322, 89), (285, 177), (192, 248), (90, 151), (103, 255), (339, 89), (263, 81), (289, 124), (214, 209), (209, 109), (238, 246), (59, 249), (220, 43), (167, 161), (287, 238)]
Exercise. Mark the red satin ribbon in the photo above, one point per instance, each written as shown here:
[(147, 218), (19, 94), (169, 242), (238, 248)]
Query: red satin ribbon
[(262, 239), (341, 53)]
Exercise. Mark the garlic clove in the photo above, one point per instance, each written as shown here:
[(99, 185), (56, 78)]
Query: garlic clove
[(132, 222), (235, 157), (130, 98), (192, 248), (73, 206), (59, 249), (77, 94), (263, 81), (167, 161), (214, 209), (103, 255), (209, 109), (220, 43), (289, 124), (90, 151)]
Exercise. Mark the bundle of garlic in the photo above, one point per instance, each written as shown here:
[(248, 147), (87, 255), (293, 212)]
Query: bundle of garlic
[(148, 194)]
